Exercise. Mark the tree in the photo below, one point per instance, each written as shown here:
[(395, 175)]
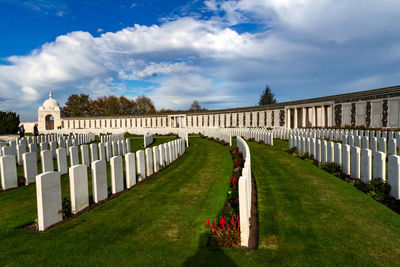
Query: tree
[(126, 106), (9, 122), (77, 105), (144, 105), (195, 106), (267, 97)]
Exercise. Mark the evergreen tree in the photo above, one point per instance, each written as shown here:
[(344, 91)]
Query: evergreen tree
[(267, 97)]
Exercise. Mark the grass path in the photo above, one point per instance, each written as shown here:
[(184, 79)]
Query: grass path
[(158, 222), (309, 217)]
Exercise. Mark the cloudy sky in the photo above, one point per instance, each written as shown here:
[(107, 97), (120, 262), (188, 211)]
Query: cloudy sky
[(222, 53)]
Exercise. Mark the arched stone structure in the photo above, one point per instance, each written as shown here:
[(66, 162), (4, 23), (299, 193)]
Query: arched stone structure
[(50, 108)]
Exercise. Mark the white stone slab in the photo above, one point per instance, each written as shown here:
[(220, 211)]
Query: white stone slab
[(78, 183), (85, 155), (48, 195), (149, 161), (8, 169), (46, 158), (379, 165), (73, 155), (130, 169), (141, 165), (30, 167), (156, 159), (346, 159), (366, 165), (99, 180), (355, 162), (394, 176), (62, 166), (117, 175)]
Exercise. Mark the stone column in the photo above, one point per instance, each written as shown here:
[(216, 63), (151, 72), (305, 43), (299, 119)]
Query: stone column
[(313, 111), (295, 118), (303, 122), (323, 119), (287, 119)]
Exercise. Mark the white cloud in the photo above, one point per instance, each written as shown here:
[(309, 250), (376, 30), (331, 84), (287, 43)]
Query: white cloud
[(304, 49)]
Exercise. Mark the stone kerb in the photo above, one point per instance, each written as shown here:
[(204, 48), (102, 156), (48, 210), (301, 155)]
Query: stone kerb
[(48, 192), (78, 181)]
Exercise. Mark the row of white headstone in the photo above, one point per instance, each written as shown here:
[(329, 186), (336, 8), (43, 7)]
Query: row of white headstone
[(337, 134), (363, 164), (245, 190), (111, 137), (8, 167), (218, 135), (148, 162)]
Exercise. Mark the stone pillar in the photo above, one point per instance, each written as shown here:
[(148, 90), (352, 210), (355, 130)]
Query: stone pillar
[(303, 115), (287, 119), (323, 118), (295, 118), (313, 111)]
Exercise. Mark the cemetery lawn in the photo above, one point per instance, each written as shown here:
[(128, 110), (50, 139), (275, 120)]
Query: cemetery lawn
[(306, 217)]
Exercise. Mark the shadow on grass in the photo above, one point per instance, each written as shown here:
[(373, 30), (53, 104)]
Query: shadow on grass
[(208, 255)]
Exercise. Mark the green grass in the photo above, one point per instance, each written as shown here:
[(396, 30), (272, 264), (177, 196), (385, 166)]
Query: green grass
[(307, 217), (158, 222)]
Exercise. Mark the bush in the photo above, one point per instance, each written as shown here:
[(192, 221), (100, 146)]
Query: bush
[(330, 167), (293, 150), (66, 208)]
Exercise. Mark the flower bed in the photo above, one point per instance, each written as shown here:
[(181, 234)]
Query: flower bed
[(226, 230)]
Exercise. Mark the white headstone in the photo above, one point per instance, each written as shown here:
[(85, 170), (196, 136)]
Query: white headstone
[(366, 165), (394, 176), (48, 194), (78, 183), (130, 169), (380, 165), (93, 152), (30, 167), (149, 161), (99, 180), (8, 171), (117, 176), (73, 155), (346, 159), (62, 160), (46, 157), (141, 165), (85, 155)]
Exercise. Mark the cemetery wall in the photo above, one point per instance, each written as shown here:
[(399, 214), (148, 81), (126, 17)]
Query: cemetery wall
[(378, 108)]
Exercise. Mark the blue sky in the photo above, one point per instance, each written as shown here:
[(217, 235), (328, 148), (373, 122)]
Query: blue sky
[(222, 53)]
